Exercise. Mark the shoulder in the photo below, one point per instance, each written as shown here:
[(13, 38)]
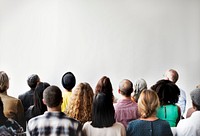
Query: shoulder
[(160, 121), (135, 122), (66, 93), (118, 126), (87, 124), (12, 99), (25, 94), (161, 124), (182, 92)]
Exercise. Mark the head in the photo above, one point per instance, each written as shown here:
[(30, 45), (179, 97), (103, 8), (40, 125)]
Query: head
[(148, 102), (52, 97), (68, 81), (104, 85), (198, 86), (80, 104), (126, 88), (171, 75), (168, 92), (33, 80), (38, 97), (139, 86), (195, 96), (4, 82), (102, 111)]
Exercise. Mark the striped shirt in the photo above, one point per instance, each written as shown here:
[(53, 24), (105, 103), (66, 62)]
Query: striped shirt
[(54, 124)]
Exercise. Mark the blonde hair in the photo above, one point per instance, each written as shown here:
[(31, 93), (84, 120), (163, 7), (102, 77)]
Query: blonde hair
[(148, 102), (80, 104), (4, 81)]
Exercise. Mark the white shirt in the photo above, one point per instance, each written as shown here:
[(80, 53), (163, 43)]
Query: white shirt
[(116, 130), (189, 126)]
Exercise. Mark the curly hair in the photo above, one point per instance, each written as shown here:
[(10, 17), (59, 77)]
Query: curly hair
[(80, 104), (168, 92)]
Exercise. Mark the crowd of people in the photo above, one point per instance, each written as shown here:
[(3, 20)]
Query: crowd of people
[(80, 110)]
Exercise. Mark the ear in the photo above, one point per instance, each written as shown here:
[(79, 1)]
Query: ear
[(119, 91), (194, 107), (61, 101), (43, 100)]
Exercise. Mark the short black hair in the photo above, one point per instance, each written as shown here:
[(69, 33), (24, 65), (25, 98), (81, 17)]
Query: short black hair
[(52, 96), (102, 111), (33, 80), (68, 81), (168, 92)]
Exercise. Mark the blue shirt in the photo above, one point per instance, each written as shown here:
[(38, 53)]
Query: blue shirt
[(182, 101), (149, 128)]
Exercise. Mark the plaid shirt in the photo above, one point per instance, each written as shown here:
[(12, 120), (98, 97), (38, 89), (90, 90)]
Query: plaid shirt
[(54, 124)]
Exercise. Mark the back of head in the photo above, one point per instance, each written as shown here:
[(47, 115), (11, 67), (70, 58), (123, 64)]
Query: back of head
[(68, 81), (168, 92), (38, 96), (102, 111), (52, 95), (148, 102), (104, 85), (4, 81), (195, 96), (80, 104), (33, 80), (172, 75), (139, 85), (126, 87)]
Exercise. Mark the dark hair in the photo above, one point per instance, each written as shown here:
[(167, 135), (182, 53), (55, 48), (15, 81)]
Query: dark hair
[(4, 81), (2, 116), (104, 85), (102, 111), (68, 81), (168, 92), (33, 80), (40, 107), (52, 96), (126, 87)]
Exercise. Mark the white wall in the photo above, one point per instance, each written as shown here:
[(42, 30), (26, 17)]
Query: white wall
[(92, 38)]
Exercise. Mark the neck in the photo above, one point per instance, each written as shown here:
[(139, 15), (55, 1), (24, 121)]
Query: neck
[(124, 97), (151, 118), (52, 109), (5, 92)]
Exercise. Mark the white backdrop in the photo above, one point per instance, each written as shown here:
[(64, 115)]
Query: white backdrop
[(118, 38)]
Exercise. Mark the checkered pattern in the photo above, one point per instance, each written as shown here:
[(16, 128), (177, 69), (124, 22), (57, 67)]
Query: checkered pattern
[(54, 124)]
